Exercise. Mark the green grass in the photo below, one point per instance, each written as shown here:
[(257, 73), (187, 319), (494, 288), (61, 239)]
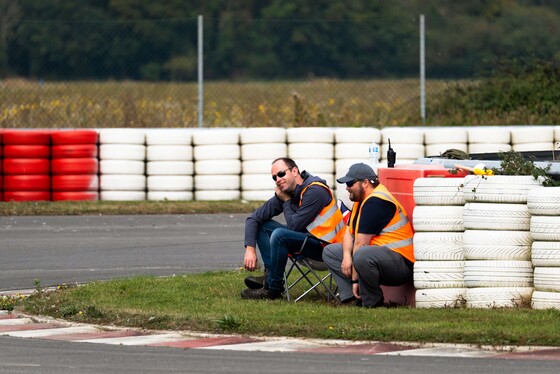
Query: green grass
[(46, 208), (211, 302)]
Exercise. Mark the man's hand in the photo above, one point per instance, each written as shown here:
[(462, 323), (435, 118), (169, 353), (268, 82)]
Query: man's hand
[(281, 194), (356, 291), (250, 261), (346, 266)]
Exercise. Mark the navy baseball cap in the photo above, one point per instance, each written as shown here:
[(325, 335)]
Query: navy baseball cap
[(358, 171)]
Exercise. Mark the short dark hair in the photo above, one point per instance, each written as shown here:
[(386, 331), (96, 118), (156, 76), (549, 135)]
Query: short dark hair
[(288, 161)]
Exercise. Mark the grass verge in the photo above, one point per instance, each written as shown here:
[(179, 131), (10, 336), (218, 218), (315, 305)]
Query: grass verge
[(47, 208), (211, 302)]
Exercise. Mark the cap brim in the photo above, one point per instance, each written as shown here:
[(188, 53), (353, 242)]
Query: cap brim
[(345, 179)]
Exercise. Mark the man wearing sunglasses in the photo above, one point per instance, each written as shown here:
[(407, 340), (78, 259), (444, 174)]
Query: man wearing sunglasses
[(312, 221), (377, 247)]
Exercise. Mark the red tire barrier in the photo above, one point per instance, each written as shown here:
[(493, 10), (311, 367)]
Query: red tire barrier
[(27, 182), (75, 196), (27, 151), (74, 137), (74, 166), (74, 151), (75, 183), (26, 166), (27, 196), (28, 137)]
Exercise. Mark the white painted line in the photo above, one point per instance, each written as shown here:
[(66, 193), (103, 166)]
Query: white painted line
[(285, 345), (137, 340), (41, 333), (15, 321), (443, 352)]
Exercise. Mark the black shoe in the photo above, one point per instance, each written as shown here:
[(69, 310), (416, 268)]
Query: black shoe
[(255, 283), (260, 294)]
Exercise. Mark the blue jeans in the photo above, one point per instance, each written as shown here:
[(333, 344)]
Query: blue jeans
[(275, 242)]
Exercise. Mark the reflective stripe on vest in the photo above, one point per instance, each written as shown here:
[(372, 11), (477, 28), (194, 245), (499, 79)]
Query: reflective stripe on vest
[(329, 224), (397, 235)]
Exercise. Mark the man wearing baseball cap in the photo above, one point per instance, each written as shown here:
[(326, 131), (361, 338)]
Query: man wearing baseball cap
[(377, 247)]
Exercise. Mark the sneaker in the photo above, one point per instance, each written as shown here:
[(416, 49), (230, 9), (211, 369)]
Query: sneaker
[(260, 294), (254, 282)]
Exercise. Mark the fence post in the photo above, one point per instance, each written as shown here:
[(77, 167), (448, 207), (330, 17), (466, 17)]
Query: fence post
[(200, 75), (422, 71)]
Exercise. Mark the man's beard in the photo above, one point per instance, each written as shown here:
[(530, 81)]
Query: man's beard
[(357, 195)]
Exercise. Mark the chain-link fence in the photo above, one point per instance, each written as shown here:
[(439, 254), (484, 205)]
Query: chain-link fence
[(256, 72)]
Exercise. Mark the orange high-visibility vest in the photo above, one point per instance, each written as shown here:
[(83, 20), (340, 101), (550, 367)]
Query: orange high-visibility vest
[(329, 224), (397, 235)]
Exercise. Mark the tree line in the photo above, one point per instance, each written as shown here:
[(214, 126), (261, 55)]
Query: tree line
[(269, 39)]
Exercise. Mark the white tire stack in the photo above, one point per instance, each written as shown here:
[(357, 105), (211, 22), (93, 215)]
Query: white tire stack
[(497, 241), (312, 148), (122, 155), (488, 139), (259, 147), (217, 156), (439, 139), (532, 138), (544, 206), (438, 242), (351, 147), (169, 167), (407, 142)]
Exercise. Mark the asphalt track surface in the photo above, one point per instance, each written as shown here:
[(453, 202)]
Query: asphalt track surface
[(78, 249)]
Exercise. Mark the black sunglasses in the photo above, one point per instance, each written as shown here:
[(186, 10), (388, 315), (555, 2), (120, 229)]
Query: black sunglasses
[(351, 183), (280, 174)]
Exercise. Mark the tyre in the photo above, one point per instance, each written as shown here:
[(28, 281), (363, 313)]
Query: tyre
[(169, 137), (312, 135), (529, 147), (122, 182), (405, 151), (475, 148), (122, 195), (135, 152), (445, 135), (441, 298), (26, 166), (217, 167), (169, 183), (366, 135), (170, 195), (499, 188), (547, 279), (545, 254), (438, 246), (169, 153), (491, 273), (531, 134), (438, 149), (27, 151), (217, 152), (122, 167), (170, 168), (437, 218), (75, 151), (438, 191), (316, 165), (545, 300), (544, 201), (74, 166), (255, 135), (499, 297), (497, 245), (75, 183), (217, 182), (217, 195), (257, 195), (74, 137), (256, 167), (490, 216), (310, 150), (251, 182), (27, 196), (26, 137), (438, 274), (545, 228), (358, 150), (122, 136), (488, 135), (216, 137), (75, 196), (402, 135), (263, 151), (36, 182)]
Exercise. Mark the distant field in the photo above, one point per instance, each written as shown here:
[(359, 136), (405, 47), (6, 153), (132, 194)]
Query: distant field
[(320, 102)]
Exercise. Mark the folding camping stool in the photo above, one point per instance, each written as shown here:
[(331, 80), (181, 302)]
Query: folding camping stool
[(308, 270)]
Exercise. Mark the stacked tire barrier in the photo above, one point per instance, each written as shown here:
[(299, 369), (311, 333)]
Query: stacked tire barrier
[(259, 147), (217, 154), (26, 165), (217, 164), (438, 242), (122, 154), (351, 146), (169, 165), (544, 206), (1, 163), (74, 165), (497, 241)]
